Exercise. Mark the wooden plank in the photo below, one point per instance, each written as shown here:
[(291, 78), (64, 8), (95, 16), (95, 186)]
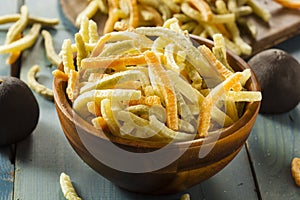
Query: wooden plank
[(284, 24), (4, 68), (42, 8), (234, 182), (47, 9), (226, 185), (6, 174), (6, 167), (273, 143), (7, 7), (45, 154)]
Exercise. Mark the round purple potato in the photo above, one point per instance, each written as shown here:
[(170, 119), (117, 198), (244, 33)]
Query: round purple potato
[(19, 110), (279, 76)]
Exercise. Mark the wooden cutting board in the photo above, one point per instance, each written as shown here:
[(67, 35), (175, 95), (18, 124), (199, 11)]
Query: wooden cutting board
[(284, 23)]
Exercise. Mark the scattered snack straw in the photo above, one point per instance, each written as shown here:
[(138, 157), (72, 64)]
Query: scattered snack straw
[(67, 187)]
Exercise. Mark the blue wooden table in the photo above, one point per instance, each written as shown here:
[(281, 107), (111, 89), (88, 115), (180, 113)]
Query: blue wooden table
[(30, 169)]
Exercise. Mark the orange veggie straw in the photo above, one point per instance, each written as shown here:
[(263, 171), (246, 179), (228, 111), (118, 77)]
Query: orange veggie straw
[(167, 89), (94, 108), (223, 30), (149, 101), (289, 3), (215, 63), (13, 56), (100, 123), (203, 7), (211, 99), (100, 44), (60, 75)]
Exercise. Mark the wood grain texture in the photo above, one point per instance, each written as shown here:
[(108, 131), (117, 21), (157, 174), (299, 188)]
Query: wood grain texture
[(43, 156), (284, 23), (4, 68), (6, 7), (6, 174), (274, 142), (6, 167)]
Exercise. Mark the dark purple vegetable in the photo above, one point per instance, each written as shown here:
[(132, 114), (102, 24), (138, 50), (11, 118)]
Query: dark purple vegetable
[(279, 76), (19, 110)]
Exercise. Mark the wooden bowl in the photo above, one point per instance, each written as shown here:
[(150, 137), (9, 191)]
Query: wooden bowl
[(194, 161)]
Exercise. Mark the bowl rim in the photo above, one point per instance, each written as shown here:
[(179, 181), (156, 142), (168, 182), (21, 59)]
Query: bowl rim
[(250, 111)]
